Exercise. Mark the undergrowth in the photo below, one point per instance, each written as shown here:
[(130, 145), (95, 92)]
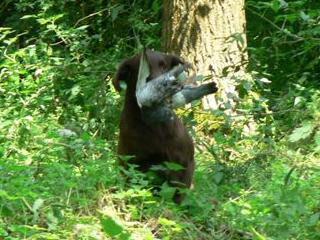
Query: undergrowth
[(257, 170)]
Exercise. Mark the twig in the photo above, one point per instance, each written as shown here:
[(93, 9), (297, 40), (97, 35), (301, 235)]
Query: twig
[(77, 23), (27, 204), (244, 114), (10, 58), (56, 43), (68, 197), (266, 114), (90, 15), (276, 26)]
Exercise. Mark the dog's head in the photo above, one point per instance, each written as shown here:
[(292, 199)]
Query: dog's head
[(159, 63)]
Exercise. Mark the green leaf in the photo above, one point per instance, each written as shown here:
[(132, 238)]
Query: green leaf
[(52, 221), (275, 5), (238, 37), (258, 235), (43, 21), (167, 192), (298, 100), (3, 232), (158, 168), (304, 16), (83, 27), (85, 136), (166, 222), (115, 12), (313, 220), (58, 16), (317, 141), (4, 29), (317, 138), (75, 90), (5, 195), (37, 205), (5, 211), (301, 132), (283, 4), (218, 177), (49, 51), (28, 16), (113, 229), (156, 6), (2, 150), (173, 166), (264, 80), (10, 40)]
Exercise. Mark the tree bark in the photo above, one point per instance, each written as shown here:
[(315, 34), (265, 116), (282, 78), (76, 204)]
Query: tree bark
[(210, 35)]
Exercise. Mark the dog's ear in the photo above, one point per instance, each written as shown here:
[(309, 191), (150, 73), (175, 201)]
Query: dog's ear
[(123, 75)]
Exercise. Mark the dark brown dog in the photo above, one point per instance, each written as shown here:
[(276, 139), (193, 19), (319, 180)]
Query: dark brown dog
[(153, 144)]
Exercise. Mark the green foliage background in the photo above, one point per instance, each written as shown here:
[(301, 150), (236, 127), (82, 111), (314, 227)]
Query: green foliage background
[(257, 173)]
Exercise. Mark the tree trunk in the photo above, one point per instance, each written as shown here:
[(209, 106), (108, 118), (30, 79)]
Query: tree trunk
[(210, 35)]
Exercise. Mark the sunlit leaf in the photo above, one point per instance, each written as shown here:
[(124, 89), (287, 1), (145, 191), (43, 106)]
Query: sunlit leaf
[(301, 132), (37, 204), (113, 229), (75, 90), (298, 100), (43, 21), (264, 80), (275, 5), (165, 221), (304, 16), (28, 16), (283, 4)]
